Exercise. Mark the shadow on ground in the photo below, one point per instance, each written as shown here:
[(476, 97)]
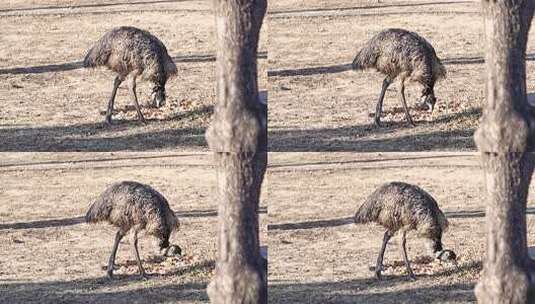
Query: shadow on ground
[(344, 67), (356, 291), (74, 65), (349, 138), (76, 138), (80, 219), (102, 290), (329, 223), (94, 137)]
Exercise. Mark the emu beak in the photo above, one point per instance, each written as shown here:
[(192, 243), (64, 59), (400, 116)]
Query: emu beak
[(172, 250)]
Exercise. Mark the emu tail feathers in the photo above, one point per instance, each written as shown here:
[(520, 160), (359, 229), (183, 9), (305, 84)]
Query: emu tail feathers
[(439, 69), (354, 64), (442, 221), (89, 60), (368, 211), (365, 58), (98, 55), (173, 221), (169, 66), (97, 212), (91, 215), (362, 215)]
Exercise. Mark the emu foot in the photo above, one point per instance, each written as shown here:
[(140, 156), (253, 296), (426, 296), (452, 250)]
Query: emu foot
[(142, 120), (411, 276), (143, 276), (109, 274), (378, 275), (115, 267), (377, 270), (108, 121), (377, 123)]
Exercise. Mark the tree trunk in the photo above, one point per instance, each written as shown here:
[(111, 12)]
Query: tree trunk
[(504, 138), (237, 136)]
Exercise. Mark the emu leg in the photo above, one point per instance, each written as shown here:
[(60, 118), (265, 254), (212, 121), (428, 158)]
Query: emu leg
[(133, 89), (379, 265), (379, 106), (111, 261), (136, 251), (404, 103), (116, 83), (404, 252)]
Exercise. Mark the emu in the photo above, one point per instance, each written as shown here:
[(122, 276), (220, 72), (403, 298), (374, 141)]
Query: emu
[(400, 206), (129, 51), (134, 206), (405, 55)]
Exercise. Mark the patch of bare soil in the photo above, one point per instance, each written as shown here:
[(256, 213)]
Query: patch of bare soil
[(323, 257)]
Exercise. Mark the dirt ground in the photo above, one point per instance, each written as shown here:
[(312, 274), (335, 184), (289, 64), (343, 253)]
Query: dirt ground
[(318, 104), (322, 257), (50, 103), (49, 255), (316, 254)]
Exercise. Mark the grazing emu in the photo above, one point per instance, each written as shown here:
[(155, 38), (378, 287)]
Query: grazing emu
[(131, 205), (401, 54), (131, 51), (400, 206)]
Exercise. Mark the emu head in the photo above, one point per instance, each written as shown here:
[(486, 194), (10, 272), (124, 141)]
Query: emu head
[(172, 250), (428, 100), (158, 95), (443, 255), (446, 255)]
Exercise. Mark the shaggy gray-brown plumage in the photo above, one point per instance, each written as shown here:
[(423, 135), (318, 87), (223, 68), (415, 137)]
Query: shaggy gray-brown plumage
[(403, 207), (405, 55), (129, 51), (134, 206)]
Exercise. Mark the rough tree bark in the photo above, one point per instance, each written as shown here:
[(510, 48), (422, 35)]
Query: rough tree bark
[(237, 136), (505, 138)]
